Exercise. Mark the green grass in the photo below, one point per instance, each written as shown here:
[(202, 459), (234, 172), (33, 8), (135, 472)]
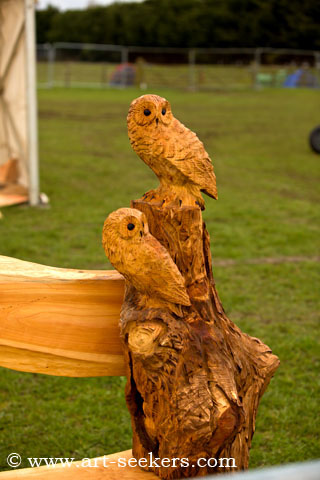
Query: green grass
[(268, 206)]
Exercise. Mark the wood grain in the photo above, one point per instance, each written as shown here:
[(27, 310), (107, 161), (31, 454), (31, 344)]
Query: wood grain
[(60, 321), (76, 471)]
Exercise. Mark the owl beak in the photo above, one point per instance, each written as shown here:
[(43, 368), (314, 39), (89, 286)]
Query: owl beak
[(157, 120)]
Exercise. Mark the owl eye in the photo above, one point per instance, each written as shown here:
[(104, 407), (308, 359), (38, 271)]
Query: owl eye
[(163, 111), (147, 112), (130, 226)]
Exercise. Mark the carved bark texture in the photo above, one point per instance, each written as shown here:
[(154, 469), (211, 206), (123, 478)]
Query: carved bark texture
[(194, 383)]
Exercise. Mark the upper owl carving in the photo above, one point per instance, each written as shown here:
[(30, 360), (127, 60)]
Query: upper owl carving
[(143, 261), (170, 149)]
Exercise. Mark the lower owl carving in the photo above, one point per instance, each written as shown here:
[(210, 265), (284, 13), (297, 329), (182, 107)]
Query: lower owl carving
[(143, 261)]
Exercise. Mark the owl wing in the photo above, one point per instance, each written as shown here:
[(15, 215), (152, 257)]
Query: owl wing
[(187, 153), (154, 272)]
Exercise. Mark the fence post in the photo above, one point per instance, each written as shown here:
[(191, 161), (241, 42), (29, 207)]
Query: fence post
[(317, 61), (192, 69), (124, 60), (67, 74), (104, 76), (51, 59), (256, 67), (32, 123)]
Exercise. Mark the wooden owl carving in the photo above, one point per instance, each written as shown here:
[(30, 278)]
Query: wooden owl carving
[(143, 261), (171, 150)]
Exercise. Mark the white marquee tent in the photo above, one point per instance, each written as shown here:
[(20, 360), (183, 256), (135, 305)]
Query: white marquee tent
[(19, 179)]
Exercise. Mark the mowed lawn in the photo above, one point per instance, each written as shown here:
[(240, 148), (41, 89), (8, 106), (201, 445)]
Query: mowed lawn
[(265, 224)]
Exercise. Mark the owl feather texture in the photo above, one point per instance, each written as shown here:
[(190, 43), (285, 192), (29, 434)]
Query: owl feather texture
[(143, 261), (171, 150)]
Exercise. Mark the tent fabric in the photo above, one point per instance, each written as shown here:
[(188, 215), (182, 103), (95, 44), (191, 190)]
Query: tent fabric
[(124, 75), (301, 78), (13, 103)]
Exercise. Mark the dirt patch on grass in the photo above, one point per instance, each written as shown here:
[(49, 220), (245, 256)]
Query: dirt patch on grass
[(81, 117), (228, 262)]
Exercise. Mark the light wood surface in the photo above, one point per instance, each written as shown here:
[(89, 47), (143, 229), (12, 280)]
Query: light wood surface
[(60, 321), (9, 171), (109, 472)]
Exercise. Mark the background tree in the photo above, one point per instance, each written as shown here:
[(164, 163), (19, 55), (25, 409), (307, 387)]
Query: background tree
[(188, 23)]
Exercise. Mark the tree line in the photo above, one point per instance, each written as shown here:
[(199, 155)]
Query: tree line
[(188, 23)]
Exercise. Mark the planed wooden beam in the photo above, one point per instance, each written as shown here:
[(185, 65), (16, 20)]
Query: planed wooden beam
[(60, 321), (101, 468)]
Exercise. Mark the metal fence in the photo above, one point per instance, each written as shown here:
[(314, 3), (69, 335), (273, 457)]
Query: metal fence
[(100, 66)]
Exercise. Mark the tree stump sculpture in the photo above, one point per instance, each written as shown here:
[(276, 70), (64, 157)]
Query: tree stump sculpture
[(194, 380)]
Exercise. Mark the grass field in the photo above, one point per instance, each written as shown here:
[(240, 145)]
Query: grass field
[(265, 236)]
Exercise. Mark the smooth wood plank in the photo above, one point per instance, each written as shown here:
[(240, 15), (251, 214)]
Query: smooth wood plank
[(38, 362), (60, 321), (76, 471), (13, 269)]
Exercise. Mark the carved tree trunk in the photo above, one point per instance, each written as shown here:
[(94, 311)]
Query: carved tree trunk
[(193, 383)]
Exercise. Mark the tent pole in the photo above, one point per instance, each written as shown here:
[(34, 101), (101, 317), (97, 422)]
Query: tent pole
[(32, 124)]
